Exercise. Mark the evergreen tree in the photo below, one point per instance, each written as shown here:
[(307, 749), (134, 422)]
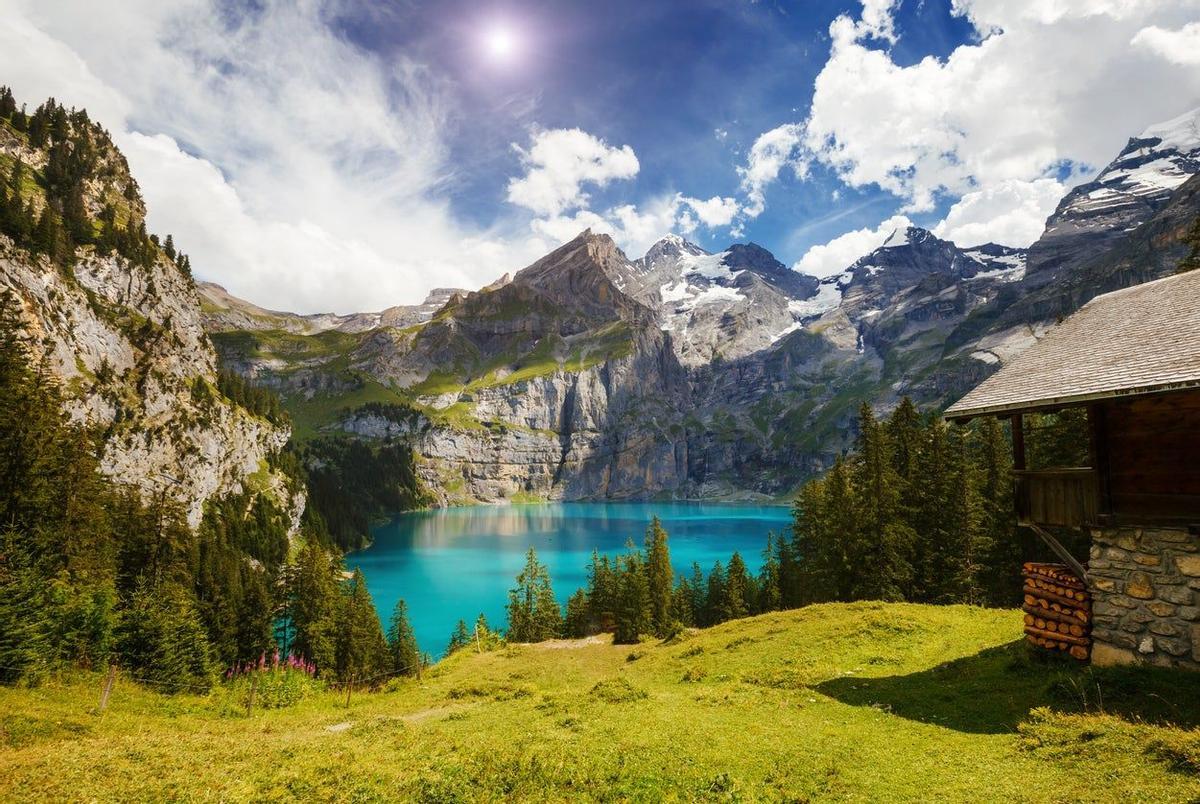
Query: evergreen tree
[(1003, 545), (716, 606), (633, 615), (402, 642), (459, 639), (601, 593), (533, 613), (578, 620), (659, 578), (361, 650), (739, 589), (771, 595), (161, 639), (315, 603), (882, 549)]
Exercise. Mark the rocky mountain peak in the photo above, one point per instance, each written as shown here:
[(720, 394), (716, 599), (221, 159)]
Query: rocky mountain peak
[(1124, 195)]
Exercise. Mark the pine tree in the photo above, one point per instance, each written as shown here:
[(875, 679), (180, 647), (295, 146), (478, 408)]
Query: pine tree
[(576, 623), (533, 613), (459, 639), (738, 589), (659, 578), (402, 642), (882, 550), (716, 606), (771, 594), (633, 615), (1001, 575), (315, 607), (161, 638), (601, 593), (361, 650)]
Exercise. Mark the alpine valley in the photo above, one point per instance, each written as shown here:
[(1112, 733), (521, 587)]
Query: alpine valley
[(685, 374)]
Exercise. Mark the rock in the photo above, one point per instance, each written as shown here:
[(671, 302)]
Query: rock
[(1146, 645), (1189, 613), (1161, 609), (1139, 586), (1105, 655), (1180, 595), (1103, 584), (1160, 628), (1188, 565), (1175, 647), (1146, 559)]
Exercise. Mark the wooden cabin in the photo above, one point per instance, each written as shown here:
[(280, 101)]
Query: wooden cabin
[(1131, 360)]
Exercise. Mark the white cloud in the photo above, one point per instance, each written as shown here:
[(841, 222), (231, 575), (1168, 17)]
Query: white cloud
[(1010, 212), (771, 153), (840, 252), (634, 229), (1046, 83), (237, 129), (560, 162), (715, 212), (1178, 47)]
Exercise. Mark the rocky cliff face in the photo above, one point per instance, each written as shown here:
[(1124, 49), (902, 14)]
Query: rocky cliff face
[(126, 340)]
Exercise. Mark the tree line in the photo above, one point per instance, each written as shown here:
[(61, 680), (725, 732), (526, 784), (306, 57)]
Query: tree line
[(918, 511), (93, 572), (46, 212)]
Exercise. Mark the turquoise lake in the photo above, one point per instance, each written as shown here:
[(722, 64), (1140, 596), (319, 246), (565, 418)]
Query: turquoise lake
[(457, 562)]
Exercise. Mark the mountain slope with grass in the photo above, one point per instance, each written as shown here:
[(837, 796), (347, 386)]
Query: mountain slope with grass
[(863, 701)]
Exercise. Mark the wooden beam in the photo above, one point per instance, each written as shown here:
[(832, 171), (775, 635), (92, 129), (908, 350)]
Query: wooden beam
[(1098, 448), (1061, 552), (1018, 440)]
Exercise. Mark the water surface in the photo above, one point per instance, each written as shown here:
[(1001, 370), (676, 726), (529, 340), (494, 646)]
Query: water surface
[(457, 562)]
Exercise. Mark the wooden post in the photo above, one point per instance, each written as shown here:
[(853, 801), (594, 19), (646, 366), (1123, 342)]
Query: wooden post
[(253, 689), (1098, 430), (349, 688), (478, 647), (1018, 439), (108, 685)]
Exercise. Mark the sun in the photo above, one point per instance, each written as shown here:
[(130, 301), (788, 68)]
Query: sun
[(500, 42)]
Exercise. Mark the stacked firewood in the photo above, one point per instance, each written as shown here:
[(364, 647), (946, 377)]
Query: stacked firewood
[(1058, 609)]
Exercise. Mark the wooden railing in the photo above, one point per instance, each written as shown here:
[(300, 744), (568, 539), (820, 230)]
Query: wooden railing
[(1057, 497)]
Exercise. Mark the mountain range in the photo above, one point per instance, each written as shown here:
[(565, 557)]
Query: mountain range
[(586, 375), (684, 373)]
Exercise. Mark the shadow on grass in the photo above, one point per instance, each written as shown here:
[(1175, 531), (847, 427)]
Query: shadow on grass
[(994, 690)]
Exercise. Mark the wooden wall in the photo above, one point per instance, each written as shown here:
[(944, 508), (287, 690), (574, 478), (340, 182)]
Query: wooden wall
[(1150, 447)]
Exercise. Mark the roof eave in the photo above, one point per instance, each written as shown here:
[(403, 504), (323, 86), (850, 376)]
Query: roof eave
[(1054, 403)]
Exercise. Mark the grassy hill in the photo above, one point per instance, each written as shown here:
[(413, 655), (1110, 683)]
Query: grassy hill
[(835, 702)]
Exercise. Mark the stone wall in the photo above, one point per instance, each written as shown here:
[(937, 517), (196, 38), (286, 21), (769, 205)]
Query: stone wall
[(1146, 603)]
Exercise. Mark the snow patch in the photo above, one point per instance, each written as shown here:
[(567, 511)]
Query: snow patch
[(985, 357)]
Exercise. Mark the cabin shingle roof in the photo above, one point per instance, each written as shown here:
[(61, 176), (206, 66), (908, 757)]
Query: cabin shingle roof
[(1143, 339)]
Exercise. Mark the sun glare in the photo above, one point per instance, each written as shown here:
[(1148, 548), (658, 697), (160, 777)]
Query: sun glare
[(500, 42)]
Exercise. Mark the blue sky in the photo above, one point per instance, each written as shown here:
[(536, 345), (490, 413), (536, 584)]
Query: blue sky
[(342, 155)]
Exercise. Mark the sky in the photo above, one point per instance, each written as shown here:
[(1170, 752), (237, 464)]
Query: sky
[(330, 155)]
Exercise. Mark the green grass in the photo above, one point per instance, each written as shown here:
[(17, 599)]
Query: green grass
[(310, 415), (860, 702)]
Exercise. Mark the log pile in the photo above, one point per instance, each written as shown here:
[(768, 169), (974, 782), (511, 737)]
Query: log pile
[(1058, 610)]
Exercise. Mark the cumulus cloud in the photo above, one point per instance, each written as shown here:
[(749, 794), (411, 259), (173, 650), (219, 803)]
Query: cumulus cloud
[(560, 162), (1043, 86), (231, 122), (1178, 47), (769, 155), (840, 252), (1010, 212)]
